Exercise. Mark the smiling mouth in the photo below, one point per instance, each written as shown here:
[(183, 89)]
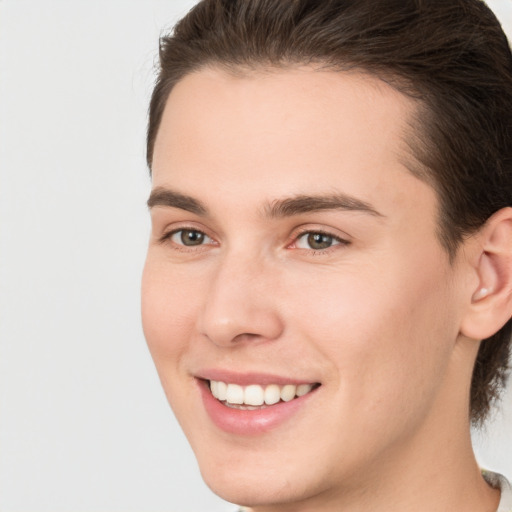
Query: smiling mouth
[(255, 396)]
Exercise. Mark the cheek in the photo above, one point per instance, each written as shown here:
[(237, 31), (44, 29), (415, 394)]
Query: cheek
[(169, 306), (387, 335)]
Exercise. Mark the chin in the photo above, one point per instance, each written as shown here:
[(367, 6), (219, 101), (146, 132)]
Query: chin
[(250, 481), (241, 491), (249, 489)]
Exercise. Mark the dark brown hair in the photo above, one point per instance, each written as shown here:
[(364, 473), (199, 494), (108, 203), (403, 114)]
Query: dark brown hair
[(451, 55)]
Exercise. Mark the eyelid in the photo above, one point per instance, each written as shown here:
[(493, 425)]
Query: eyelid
[(170, 231), (342, 239), (205, 241)]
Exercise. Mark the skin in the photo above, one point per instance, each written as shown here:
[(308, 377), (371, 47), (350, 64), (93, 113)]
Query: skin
[(375, 318)]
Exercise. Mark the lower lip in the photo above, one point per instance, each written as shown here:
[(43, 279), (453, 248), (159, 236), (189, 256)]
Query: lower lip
[(249, 422)]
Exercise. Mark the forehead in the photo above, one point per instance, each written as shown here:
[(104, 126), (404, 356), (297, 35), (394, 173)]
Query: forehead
[(286, 131)]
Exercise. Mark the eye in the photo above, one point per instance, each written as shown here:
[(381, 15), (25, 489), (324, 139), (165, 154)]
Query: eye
[(317, 241), (189, 237)]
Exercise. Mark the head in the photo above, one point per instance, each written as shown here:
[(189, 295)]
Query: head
[(446, 70), (452, 57)]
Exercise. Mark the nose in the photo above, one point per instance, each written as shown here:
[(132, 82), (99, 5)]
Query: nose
[(240, 304)]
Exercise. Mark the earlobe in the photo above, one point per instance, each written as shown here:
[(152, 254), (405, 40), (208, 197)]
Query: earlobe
[(491, 301)]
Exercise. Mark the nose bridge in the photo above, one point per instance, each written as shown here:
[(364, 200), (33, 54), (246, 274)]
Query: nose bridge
[(239, 303)]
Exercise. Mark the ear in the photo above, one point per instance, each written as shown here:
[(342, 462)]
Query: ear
[(490, 306)]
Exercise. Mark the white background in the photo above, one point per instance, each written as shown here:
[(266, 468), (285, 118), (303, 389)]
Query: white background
[(84, 425)]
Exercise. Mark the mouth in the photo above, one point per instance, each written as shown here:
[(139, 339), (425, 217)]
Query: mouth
[(256, 396), (253, 403)]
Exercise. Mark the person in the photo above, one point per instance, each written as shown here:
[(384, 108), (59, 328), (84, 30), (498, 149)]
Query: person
[(327, 294)]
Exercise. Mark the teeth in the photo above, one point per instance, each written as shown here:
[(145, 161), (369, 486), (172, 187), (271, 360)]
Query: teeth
[(235, 394), (222, 389), (302, 389), (288, 392), (256, 395), (272, 394)]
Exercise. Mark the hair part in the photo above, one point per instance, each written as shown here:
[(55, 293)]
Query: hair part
[(450, 55)]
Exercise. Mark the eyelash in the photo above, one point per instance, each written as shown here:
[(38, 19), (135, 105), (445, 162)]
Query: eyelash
[(167, 237), (337, 241)]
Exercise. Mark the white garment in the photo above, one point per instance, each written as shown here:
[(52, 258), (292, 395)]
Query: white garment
[(500, 482)]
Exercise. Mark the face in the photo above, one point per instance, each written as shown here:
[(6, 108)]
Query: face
[(294, 271)]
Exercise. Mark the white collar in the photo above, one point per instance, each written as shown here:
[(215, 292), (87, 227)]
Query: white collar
[(500, 482)]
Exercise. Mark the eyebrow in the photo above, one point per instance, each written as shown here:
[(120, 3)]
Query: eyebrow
[(306, 204), (287, 207), (161, 196)]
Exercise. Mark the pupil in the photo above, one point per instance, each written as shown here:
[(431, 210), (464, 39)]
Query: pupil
[(319, 241), (192, 237)]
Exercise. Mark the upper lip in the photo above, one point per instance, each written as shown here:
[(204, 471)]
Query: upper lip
[(247, 378)]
